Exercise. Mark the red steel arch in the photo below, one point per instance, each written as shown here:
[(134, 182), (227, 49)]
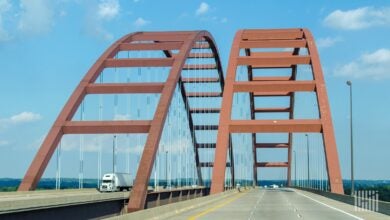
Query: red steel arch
[(182, 43), (247, 40)]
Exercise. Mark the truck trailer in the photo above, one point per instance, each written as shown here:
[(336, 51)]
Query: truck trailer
[(114, 182)]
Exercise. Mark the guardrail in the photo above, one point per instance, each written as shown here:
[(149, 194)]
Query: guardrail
[(159, 198), (87, 205), (383, 207)]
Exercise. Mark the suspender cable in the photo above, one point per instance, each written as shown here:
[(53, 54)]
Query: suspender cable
[(128, 115), (81, 153), (99, 165), (58, 170)]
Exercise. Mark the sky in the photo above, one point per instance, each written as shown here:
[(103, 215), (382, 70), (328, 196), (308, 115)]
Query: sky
[(46, 47)]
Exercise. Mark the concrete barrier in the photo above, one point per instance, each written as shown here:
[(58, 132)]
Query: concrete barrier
[(48, 199), (83, 204), (164, 197), (166, 211), (383, 207)]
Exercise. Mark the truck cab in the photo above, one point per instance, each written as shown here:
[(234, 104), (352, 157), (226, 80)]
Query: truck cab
[(108, 183)]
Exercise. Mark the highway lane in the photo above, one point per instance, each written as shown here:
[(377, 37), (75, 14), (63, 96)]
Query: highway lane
[(270, 204)]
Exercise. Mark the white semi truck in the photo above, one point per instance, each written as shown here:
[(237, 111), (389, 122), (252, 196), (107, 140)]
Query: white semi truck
[(113, 182)]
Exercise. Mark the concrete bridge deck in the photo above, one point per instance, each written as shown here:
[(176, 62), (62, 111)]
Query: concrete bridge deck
[(84, 204), (32, 200), (283, 203), (276, 204)]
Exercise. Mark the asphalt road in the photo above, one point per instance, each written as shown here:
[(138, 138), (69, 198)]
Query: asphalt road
[(268, 204)]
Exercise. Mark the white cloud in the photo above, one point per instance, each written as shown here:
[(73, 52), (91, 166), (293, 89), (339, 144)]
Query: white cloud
[(205, 14), (327, 41), (36, 144), (90, 142), (97, 17), (120, 117), (108, 9), (140, 22), (359, 18), (36, 16), (374, 65), (102, 33), (5, 6), (132, 143), (93, 142), (25, 117), (203, 9)]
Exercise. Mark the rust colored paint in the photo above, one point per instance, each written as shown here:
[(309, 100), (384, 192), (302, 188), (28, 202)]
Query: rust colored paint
[(164, 41), (275, 86), (258, 86), (332, 160), (138, 195), (118, 88), (45, 152), (106, 127), (223, 135), (272, 87)]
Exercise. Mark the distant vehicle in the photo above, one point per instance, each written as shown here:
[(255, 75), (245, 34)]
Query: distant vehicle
[(113, 182), (274, 186)]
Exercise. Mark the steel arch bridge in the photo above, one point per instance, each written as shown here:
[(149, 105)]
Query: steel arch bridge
[(177, 51)]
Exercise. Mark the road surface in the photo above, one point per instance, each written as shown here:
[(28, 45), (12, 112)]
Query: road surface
[(275, 204)]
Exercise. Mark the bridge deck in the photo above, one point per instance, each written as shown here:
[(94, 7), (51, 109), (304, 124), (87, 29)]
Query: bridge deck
[(277, 204), (31, 200)]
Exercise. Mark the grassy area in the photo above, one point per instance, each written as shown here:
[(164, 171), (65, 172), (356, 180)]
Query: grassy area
[(8, 188)]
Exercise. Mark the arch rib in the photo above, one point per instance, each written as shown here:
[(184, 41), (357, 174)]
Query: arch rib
[(138, 195), (184, 42), (274, 86), (42, 158)]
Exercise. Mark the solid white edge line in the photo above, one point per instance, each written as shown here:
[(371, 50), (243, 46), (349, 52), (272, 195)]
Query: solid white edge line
[(354, 216)]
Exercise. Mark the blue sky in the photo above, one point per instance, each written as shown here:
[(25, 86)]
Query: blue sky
[(46, 47)]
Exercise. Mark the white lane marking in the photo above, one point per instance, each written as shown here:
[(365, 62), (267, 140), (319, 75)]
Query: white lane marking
[(255, 207), (334, 208)]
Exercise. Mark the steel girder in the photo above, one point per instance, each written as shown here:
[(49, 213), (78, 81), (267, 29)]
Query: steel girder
[(297, 39), (183, 42)]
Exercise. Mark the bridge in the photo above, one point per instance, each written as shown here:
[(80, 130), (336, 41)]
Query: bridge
[(199, 132)]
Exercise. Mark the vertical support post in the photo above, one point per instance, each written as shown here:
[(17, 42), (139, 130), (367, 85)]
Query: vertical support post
[(349, 83), (308, 159)]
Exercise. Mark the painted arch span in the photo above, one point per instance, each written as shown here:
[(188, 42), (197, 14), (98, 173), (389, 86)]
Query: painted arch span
[(177, 48)]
